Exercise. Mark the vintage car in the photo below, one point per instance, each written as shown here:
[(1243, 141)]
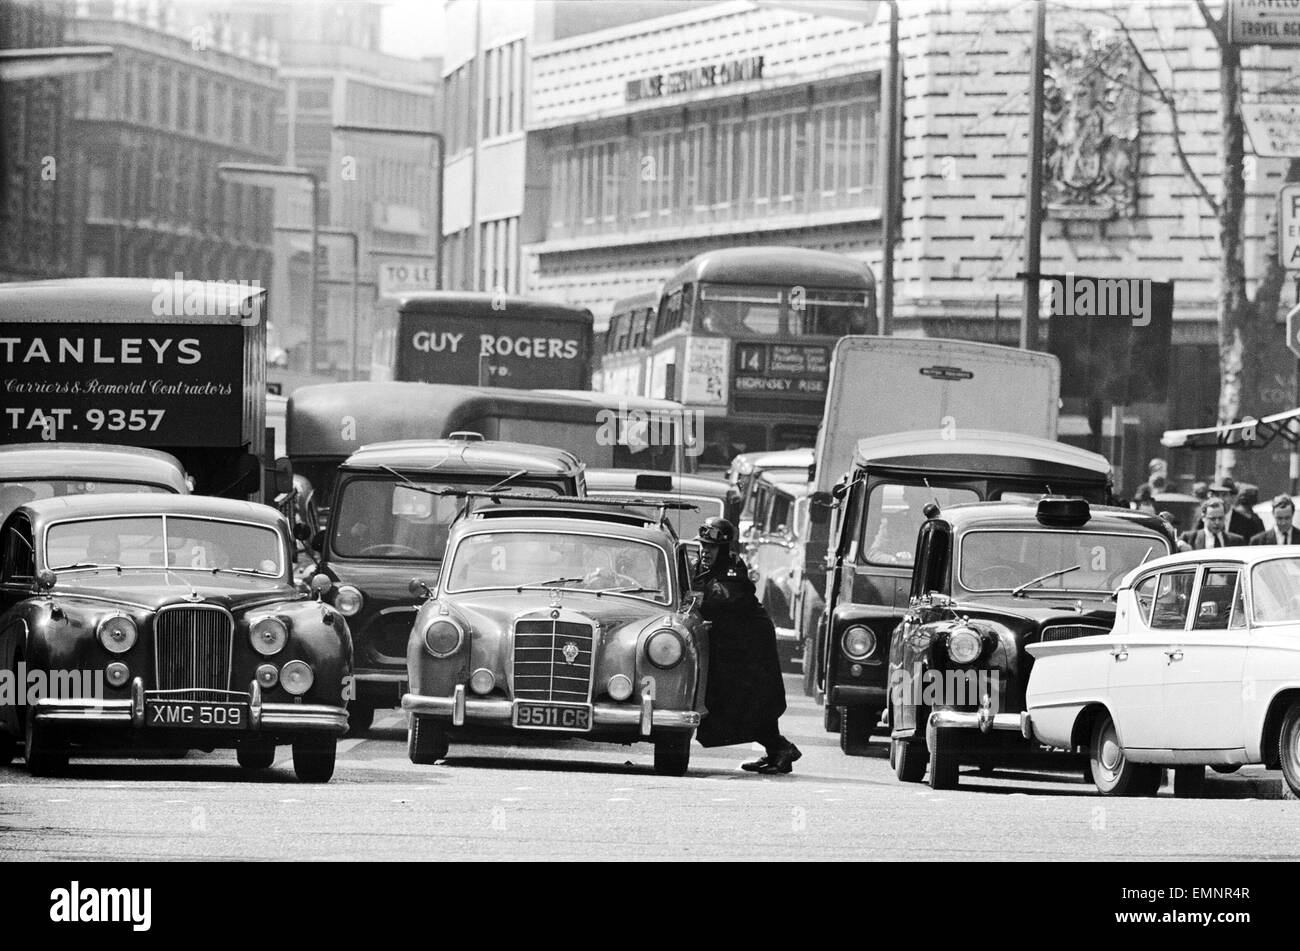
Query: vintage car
[(774, 549), (387, 523), (788, 465), (706, 496), (42, 470), (989, 580), (567, 617), (169, 623), (1201, 668), (866, 566)]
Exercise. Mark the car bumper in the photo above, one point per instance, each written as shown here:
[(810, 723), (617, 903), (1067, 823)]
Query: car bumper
[(262, 717), (462, 710), (852, 695), (983, 720)]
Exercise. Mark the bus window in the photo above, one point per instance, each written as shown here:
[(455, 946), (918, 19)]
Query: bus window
[(637, 335), (829, 313), (619, 332), (670, 313), (740, 309)]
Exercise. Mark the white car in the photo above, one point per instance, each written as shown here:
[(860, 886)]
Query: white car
[(1202, 668)]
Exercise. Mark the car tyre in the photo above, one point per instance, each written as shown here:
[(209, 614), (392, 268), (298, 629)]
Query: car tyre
[(1189, 782), (313, 758), (255, 755), (945, 759), (426, 741), (672, 755), (856, 724), (1288, 751), (44, 755), (910, 760), (361, 717), (1112, 772), (831, 718)]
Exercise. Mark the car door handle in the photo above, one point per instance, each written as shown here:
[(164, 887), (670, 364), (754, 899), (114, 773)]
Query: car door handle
[(1174, 653), (1120, 653)]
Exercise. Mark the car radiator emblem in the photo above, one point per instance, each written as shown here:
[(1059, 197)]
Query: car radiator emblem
[(570, 651)]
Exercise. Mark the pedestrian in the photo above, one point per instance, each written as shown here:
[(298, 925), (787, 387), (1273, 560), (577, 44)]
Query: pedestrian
[(1144, 499), (1242, 518), (745, 693), (1201, 490), (1214, 534), (1171, 529), (1283, 531)]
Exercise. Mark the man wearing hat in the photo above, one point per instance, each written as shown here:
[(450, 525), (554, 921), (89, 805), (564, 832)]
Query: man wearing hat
[(1247, 525), (745, 694)]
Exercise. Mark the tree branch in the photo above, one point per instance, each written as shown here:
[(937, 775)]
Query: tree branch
[(1218, 28)]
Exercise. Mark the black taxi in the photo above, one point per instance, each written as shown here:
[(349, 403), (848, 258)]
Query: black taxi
[(388, 524)]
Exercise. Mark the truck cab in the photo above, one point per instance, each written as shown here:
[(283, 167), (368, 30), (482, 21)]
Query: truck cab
[(894, 484), (392, 506)]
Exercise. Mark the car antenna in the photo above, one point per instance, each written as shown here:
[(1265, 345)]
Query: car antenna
[(934, 501), (509, 478)]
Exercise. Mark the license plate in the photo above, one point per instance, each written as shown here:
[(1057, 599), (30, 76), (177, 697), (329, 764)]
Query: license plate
[(552, 716), (194, 714)]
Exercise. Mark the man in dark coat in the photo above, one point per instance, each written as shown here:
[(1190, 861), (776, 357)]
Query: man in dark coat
[(1214, 534), (1283, 531), (745, 694)]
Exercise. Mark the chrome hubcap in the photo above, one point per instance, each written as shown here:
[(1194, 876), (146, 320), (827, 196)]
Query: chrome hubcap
[(1111, 754)]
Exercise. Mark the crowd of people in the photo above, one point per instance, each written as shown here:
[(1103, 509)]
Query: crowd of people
[(1225, 515)]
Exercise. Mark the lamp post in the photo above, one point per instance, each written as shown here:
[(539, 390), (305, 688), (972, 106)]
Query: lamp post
[(355, 129), (268, 176), (356, 268)]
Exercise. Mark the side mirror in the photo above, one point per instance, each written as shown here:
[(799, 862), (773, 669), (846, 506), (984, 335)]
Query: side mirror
[(283, 476), (45, 579), (420, 588)]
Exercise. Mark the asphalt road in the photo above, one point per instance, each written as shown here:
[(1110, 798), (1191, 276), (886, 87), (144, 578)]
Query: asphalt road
[(591, 801)]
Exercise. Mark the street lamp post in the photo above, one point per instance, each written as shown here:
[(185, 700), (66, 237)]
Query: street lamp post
[(356, 268), (355, 129), (268, 176)]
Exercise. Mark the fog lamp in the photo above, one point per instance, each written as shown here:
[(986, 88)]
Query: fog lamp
[(117, 674), (620, 687), (268, 676), (297, 677), (482, 681)]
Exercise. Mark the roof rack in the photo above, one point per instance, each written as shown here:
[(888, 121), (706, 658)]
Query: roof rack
[(662, 505)]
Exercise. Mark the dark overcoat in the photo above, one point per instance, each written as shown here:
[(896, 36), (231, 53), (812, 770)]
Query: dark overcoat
[(745, 694)]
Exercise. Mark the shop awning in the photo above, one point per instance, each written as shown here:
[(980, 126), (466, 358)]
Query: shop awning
[(1250, 433)]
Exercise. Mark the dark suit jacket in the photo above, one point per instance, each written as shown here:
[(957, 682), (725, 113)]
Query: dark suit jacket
[(1197, 539), (1270, 538)]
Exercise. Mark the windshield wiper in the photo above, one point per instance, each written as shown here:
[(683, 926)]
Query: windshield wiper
[(86, 564), (509, 478), (630, 590), (1018, 592), (541, 584)]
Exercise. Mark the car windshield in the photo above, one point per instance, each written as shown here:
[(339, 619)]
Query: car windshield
[(14, 494), (1005, 560), (1275, 591), (896, 512), (164, 541), (563, 559), (387, 518)]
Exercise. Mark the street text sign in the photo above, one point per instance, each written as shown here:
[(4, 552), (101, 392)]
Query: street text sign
[(1293, 330), (399, 278), (1288, 226), (1274, 128), (1264, 22)]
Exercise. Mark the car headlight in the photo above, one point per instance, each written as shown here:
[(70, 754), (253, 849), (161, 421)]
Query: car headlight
[(664, 649), (296, 677), (619, 687), (117, 633), (858, 642), (268, 636), (442, 637), (964, 645), (348, 600)]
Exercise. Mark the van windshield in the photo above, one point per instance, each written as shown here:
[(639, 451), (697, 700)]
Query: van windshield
[(382, 517)]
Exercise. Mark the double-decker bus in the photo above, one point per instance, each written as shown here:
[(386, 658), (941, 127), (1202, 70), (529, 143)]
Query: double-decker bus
[(623, 359), (745, 336), (479, 339)]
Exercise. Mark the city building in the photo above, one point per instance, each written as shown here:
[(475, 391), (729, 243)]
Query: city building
[(735, 124), (40, 234), (150, 131)]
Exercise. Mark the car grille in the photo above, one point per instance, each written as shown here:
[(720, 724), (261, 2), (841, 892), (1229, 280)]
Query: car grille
[(192, 649), (541, 670), (1065, 632)]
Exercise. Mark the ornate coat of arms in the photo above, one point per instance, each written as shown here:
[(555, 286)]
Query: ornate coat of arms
[(1092, 100)]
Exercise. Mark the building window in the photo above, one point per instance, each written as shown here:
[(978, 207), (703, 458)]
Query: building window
[(97, 205), (201, 107)]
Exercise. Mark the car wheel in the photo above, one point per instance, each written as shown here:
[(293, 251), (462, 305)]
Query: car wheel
[(1227, 769), (945, 759), (1112, 772), (831, 718), (1189, 782), (361, 716), (426, 741), (1288, 750), (255, 755), (673, 755), (910, 760), (313, 758), (856, 724), (44, 755)]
